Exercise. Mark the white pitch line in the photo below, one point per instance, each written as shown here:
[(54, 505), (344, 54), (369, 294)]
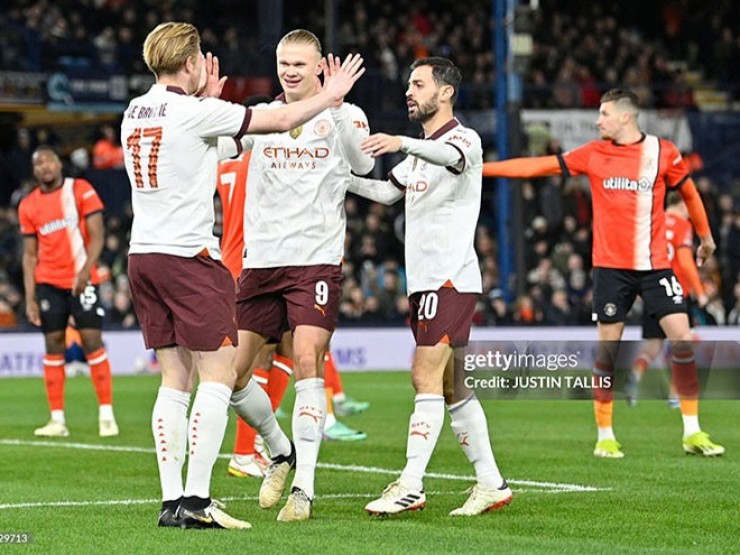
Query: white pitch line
[(125, 502), (554, 487)]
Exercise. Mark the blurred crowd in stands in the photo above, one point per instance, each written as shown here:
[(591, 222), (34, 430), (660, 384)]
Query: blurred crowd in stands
[(580, 49)]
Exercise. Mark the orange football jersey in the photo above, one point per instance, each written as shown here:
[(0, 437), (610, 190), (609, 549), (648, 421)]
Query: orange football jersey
[(628, 187), (232, 188), (57, 219)]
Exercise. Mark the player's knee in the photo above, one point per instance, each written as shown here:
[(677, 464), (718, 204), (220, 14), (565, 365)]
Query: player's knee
[(424, 383), (683, 347), (54, 343), (305, 365)]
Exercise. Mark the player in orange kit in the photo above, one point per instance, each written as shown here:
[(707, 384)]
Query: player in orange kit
[(62, 226), (629, 173), (680, 238)]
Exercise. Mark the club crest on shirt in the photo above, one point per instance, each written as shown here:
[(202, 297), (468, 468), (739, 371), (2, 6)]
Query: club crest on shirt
[(296, 132), (322, 128)]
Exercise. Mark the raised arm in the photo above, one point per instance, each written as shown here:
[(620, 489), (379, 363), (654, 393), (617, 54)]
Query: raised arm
[(352, 126), (524, 168), (336, 87), (353, 129), (698, 216)]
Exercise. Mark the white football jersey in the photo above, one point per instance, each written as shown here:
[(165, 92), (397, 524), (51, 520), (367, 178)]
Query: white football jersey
[(171, 152), (294, 213), (442, 208)]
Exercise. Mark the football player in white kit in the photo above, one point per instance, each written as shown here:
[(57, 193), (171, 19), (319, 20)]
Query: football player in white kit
[(441, 180), (182, 293), (291, 277)]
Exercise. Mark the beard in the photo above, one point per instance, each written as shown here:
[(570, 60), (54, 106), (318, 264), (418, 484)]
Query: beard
[(426, 111)]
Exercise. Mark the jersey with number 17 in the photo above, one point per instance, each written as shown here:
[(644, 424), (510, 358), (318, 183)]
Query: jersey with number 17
[(171, 151)]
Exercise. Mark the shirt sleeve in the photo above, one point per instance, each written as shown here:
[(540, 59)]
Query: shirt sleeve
[(468, 144), (352, 126), (677, 172), (229, 147), (88, 201), (686, 237), (576, 161), (212, 117), (438, 153), (28, 227), (385, 192)]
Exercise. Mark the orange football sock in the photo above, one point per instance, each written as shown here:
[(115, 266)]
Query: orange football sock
[(603, 411), (54, 380), (282, 369), (641, 364), (244, 442), (331, 375), (685, 377), (101, 376), (603, 396)]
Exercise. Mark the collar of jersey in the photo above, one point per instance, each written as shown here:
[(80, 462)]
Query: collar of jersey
[(642, 139), (441, 131)]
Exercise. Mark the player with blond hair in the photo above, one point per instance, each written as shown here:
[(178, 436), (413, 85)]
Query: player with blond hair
[(173, 136)]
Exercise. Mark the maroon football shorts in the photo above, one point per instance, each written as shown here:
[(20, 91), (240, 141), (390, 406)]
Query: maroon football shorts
[(189, 302), (271, 301), (442, 316)]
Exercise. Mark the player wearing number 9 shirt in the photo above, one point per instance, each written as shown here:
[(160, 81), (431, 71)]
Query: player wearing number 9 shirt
[(62, 226), (630, 172), (173, 137), (294, 226)]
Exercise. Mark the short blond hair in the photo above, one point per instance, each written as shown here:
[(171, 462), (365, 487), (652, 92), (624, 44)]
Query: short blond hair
[(301, 36), (169, 45)]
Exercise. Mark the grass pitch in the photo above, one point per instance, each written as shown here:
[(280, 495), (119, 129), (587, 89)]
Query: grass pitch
[(83, 494)]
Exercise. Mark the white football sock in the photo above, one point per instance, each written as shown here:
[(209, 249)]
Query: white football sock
[(330, 420), (309, 413), (471, 430), (690, 424), (206, 428), (253, 405), (605, 433), (105, 412), (58, 417), (170, 429), (425, 425)]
